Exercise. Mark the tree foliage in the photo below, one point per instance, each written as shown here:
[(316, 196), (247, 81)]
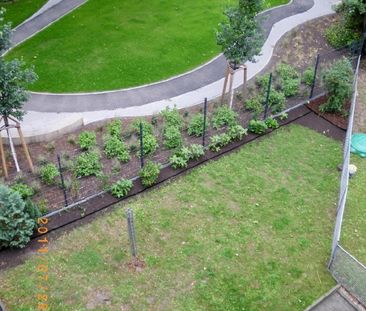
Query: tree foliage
[(354, 12), (240, 36), (5, 32)]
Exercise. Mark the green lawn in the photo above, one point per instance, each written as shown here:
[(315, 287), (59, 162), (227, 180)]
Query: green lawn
[(354, 225), (126, 44), (251, 231), (18, 11)]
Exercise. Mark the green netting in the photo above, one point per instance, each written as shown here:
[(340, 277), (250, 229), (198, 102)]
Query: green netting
[(358, 144)]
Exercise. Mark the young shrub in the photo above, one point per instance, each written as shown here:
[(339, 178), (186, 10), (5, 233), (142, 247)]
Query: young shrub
[(87, 140), (237, 132), (338, 82), (277, 101), (308, 76), (283, 116), (257, 127), (224, 116), (150, 144), (121, 188), (48, 173), (338, 35), (147, 127), (262, 81), (16, 225), (286, 71), (149, 173), (172, 137), (196, 151), (24, 190), (114, 147), (88, 164), (272, 123), (180, 158), (172, 117), (195, 126), (255, 104), (290, 87), (289, 79), (218, 141), (114, 128)]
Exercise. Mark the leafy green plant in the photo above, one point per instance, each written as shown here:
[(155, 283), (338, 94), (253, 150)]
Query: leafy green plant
[(121, 188), (263, 81), (289, 79), (16, 225), (283, 116), (277, 101), (290, 87), (149, 173), (114, 147), (87, 140), (114, 128), (87, 164), (48, 173), (196, 151), (172, 137), (224, 116), (338, 80), (255, 104), (257, 126), (308, 76), (180, 158), (195, 126), (218, 141), (338, 35), (237, 132), (286, 71), (147, 127), (150, 144), (24, 190), (272, 123), (172, 117)]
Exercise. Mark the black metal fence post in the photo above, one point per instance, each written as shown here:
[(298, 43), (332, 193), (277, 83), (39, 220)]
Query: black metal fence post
[(141, 145), (62, 179), (314, 77), (131, 232), (204, 122), (268, 94)]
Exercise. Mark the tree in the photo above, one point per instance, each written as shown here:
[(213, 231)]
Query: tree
[(240, 36), (5, 32), (14, 79), (354, 12)]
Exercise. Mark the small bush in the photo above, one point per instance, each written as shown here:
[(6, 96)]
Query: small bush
[(283, 116), (289, 79), (121, 188), (24, 190), (272, 123), (114, 147), (197, 151), (218, 141), (114, 128), (287, 72), (338, 35), (237, 132), (290, 87), (257, 126), (262, 81), (149, 173), (16, 225), (87, 140), (308, 76), (172, 117), (224, 116), (277, 101), (180, 158), (147, 127), (172, 137), (255, 104), (48, 174), (150, 144), (338, 82), (88, 164), (195, 126)]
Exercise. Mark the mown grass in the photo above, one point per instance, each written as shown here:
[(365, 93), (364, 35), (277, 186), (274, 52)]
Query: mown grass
[(251, 231), (126, 44), (18, 11), (354, 226)]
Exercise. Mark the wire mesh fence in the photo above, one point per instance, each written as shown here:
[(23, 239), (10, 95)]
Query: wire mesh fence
[(349, 272)]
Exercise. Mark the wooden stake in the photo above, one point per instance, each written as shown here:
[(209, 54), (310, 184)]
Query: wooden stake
[(231, 91), (3, 160), (245, 68), (225, 83), (26, 151)]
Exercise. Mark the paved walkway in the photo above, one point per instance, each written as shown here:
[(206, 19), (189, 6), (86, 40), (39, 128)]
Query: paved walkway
[(66, 111)]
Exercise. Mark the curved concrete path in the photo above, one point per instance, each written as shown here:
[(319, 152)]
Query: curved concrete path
[(63, 112), (138, 96)]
